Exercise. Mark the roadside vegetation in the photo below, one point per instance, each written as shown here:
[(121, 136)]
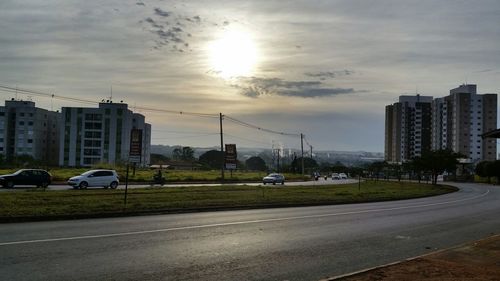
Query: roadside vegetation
[(35, 204)]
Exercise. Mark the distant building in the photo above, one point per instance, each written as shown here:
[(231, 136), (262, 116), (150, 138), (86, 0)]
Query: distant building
[(407, 128), (29, 130), (461, 118), (101, 135), (456, 122)]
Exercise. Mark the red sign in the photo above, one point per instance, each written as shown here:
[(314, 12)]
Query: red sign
[(230, 157), (135, 146)]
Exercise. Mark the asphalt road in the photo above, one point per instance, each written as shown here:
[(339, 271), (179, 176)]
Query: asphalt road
[(307, 243), (321, 181)]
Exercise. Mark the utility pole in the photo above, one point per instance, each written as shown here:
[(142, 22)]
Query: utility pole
[(302, 149), (221, 148), (278, 152), (311, 147)]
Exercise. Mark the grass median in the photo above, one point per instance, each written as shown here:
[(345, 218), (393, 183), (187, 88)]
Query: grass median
[(40, 205)]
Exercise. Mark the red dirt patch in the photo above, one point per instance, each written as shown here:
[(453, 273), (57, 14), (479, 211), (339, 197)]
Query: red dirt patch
[(476, 261)]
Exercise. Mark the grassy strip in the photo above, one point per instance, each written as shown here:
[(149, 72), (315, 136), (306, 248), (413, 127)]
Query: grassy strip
[(85, 203)]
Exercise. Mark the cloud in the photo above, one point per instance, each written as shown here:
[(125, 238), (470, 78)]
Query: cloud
[(195, 19), (161, 12), (172, 36), (255, 87), (153, 23), (484, 70), (323, 75)]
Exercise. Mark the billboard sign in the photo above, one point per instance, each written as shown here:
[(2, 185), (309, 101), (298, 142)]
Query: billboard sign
[(230, 157), (135, 146)]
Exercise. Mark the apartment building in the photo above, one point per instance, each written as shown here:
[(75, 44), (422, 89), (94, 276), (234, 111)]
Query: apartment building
[(28, 130), (460, 119), (101, 135), (408, 128)]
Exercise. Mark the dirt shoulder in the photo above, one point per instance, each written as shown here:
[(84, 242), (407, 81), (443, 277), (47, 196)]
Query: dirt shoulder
[(479, 260)]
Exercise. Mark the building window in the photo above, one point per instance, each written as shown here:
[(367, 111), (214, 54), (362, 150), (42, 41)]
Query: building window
[(30, 140)]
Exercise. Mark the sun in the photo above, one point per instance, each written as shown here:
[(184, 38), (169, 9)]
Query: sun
[(233, 54)]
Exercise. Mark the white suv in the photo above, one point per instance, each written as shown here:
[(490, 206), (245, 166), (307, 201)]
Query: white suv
[(105, 178)]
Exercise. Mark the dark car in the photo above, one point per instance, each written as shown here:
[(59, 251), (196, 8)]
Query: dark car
[(36, 177)]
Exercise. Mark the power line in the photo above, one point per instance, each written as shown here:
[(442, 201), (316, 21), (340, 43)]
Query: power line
[(248, 125), (246, 139), (84, 101), (304, 136), (185, 137), (181, 132), (17, 90)]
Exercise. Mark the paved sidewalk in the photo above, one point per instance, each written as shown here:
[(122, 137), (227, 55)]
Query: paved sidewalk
[(479, 260)]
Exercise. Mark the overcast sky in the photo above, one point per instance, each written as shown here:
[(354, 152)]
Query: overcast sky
[(323, 68)]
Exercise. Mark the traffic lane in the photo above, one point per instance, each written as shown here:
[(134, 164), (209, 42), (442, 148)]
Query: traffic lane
[(294, 249), (122, 185), (46, 230)]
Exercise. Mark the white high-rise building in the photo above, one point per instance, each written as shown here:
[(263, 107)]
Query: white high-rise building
[(460, 119), (101, 135)]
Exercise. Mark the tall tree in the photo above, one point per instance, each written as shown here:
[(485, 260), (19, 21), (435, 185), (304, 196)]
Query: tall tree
[(377, 168), (493, 170), (185, 153), (439, 161), (256, 163), (483, 169), (212, 159)]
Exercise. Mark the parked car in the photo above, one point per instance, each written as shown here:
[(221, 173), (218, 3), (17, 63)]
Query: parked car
[(104, 178), (274, 179), (343, 176), (335, 176), (36, 177)]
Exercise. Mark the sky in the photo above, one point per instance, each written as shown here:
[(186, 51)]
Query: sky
[(322, 68)]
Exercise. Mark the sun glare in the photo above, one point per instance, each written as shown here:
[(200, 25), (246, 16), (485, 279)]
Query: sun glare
[(233, 54)]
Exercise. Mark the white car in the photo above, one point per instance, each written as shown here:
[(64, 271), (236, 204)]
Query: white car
[(342, 176), (335, 176), (274, 179), (105, 178)]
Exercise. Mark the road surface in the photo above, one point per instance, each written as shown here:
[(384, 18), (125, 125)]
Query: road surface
[(321, 181), (307, 243)]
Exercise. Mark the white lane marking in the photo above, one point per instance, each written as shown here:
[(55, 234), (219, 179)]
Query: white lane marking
[(237, 223)]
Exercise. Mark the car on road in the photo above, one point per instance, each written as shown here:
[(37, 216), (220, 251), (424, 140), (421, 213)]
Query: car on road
[(36, 177), (274, 178), (104, 178), (343, 176), (335, 176)]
